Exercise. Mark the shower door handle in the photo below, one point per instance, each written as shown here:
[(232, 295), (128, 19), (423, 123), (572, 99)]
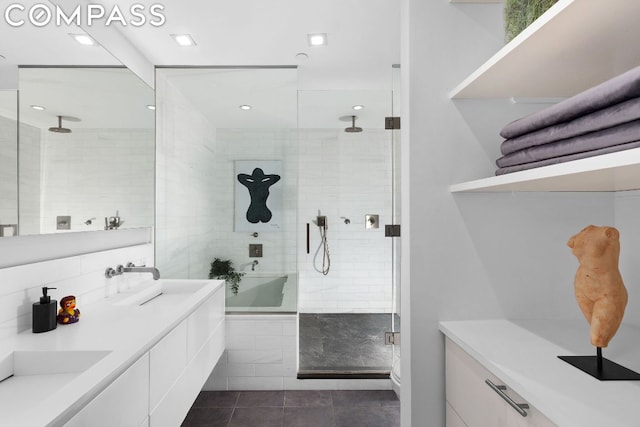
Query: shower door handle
[(308, 238)]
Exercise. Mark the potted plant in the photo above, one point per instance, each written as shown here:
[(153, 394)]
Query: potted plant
[(519, 14), (223, 269)]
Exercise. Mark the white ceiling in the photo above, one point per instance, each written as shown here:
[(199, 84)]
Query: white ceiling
[(363, 37), (363, 43), (275, 99)]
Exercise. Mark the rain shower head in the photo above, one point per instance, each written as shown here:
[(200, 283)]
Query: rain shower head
[(59, 128), (353, 127)]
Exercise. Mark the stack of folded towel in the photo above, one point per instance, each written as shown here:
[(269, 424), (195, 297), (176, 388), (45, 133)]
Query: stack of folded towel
[(600, 120)]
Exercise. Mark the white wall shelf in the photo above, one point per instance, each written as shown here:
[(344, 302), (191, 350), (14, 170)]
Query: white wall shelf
[(609, 172), (575, 45)]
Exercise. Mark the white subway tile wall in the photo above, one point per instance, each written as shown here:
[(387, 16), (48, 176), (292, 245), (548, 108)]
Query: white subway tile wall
[(29, 165), (345, 176), (279, 254), (8, 171), (94, 173), (185, 186), (261, 355), (82, 276), (89, 173), (326, 171)]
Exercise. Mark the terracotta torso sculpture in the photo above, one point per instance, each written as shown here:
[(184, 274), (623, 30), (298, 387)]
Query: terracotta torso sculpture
[(598, 284)]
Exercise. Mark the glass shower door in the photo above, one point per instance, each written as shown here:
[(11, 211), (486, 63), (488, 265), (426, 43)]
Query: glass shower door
[(396, 242), (346, 268)]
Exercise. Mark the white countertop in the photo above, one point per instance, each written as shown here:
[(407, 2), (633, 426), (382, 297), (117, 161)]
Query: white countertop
[(125, 331), (523, 354)]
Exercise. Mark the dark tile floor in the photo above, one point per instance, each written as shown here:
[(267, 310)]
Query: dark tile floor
[(344, 342), (366, 408)]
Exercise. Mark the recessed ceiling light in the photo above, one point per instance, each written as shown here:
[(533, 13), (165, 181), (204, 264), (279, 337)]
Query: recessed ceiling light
[(302, 56), (358, 107), (151, 107), (184, 40), (245, 107), (318, 39), (83, 39), (38, 107)]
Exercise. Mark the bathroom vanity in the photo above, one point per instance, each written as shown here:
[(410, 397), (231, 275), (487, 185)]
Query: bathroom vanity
[(139, 358), (520, 359)]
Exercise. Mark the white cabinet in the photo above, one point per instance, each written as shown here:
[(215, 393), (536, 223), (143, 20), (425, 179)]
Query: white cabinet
[(168, 360), (191, 351), (125, 402), (203, 321), (472, 402), (453, 419), (159, 388)]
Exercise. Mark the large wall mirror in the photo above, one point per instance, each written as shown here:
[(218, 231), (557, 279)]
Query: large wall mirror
[(86, 150), (8, 163)]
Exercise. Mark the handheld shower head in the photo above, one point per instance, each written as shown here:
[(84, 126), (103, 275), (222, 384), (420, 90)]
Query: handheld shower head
[(353, 127)]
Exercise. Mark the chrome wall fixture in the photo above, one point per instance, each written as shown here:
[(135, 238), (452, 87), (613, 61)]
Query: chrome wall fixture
[(131, 268), (372, 221)]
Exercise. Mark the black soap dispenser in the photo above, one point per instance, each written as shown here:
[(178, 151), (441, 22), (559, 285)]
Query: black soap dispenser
[(44, 313)]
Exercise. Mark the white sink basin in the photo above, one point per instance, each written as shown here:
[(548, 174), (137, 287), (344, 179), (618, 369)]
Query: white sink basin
[(31, 376), (163, 291)]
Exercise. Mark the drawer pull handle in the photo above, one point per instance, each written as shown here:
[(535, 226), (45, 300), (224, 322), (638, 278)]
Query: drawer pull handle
[(519, 407)]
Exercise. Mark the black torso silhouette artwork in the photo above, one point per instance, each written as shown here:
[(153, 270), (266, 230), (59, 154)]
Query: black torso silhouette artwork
[(258, 185)]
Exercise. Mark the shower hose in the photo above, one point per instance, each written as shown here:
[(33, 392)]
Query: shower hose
[(326, 258)]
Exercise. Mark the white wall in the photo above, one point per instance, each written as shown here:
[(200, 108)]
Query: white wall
[(261, 354), (470, 256), (29, 166), (8, 171), (627, 205), (89, 173), (279, 254), (94, 173), (82, 276), (339, 174), (345, 175), (336, 173), (185, 185)]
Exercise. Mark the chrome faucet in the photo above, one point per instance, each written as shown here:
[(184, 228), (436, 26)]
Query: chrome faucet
[(131, 268), (253, 265)]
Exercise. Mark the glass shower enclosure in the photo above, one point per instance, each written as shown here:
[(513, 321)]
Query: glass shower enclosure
[(295, 189), (346, 265)]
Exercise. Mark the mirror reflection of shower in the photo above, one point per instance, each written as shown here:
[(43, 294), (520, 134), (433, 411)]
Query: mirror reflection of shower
[(353, 127), (321, 222)]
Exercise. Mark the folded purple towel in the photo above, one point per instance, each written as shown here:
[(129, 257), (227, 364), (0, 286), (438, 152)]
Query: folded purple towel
[(611, 116), (568, 158), (611, 92), (621, 134)]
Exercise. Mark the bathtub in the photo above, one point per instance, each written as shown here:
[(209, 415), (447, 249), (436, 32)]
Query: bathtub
[(264, 293)]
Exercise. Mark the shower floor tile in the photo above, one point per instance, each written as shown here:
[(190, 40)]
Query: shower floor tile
[(344, 342)]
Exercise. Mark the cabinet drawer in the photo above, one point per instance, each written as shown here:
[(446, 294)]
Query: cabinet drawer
[(168, 360), (203, 321), (174, 405), (453, 419), (475, 402), (123, 403)]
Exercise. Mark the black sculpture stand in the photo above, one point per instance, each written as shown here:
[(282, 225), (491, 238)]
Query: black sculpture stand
[(601, 368)]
